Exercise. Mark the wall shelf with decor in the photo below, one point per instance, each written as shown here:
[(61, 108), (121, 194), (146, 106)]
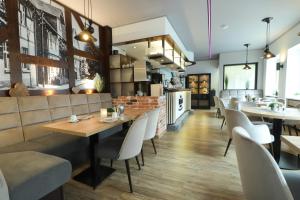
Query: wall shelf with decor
[(122, 75)]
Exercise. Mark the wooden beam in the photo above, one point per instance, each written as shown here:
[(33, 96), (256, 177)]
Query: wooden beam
[(70, 49), (13, 41), (85, 54), (106, 46), (42, 61)]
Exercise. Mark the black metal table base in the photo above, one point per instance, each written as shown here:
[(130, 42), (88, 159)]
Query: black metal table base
[(289, 161), (86, 176)]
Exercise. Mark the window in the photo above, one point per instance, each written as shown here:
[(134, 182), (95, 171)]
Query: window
[(236, 77), (272, 77), (293, 72)]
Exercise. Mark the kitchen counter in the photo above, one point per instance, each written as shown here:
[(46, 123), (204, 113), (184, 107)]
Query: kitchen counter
[(178, 103)]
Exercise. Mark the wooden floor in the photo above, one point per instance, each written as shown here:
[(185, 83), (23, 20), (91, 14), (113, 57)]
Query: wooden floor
[(189, 165)]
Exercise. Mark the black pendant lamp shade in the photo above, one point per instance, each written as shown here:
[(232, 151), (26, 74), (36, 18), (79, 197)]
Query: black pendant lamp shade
[(86, 35), (246, 64), (267, 53)]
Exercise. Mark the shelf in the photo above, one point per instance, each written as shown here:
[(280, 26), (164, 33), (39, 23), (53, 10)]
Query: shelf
[(121, 82)]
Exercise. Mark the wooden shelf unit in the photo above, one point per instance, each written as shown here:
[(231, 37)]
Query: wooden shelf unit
[(122, 75)]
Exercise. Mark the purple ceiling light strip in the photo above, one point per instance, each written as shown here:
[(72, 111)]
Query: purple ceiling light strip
[(209, 27)]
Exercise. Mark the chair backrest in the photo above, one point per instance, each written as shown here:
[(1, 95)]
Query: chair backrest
[(216, 100), (4, 195), (236, 118), (133, 141), (222, 107), (260, 175), (234, 103), (153, 117), (94, 102), (59, 107), (79, 104)]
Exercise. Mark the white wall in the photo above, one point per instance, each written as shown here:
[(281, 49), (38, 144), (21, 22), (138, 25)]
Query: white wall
[(209, 66), (240, 57), (281, 46)]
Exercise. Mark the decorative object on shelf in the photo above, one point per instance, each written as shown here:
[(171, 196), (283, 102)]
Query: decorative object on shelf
[(76, 89), (99, 83), (267, 53), (226, 82), (246, 63), (86, 35), (19, 90)]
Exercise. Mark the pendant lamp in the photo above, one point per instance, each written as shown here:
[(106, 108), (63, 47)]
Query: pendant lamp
[(267, 53), (86, 35), (246, 63)]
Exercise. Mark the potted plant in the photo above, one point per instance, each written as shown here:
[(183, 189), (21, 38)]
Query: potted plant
[(226, 82)]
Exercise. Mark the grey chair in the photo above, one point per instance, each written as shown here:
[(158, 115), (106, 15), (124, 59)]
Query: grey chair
[(259, 133), (153, 117), (217, 106), (260, 175), (125, 148)]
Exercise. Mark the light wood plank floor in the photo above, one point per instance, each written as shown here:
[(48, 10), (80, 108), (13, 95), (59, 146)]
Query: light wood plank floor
[(189, 165)]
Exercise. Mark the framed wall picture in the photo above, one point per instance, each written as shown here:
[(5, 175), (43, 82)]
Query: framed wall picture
[(42, 29), (40, 78)]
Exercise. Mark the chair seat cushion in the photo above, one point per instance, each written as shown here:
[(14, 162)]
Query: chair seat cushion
[(109, 148), (32, 175), (293, 180)]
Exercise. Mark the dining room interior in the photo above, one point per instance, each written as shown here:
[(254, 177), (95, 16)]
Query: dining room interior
[(137, 99)]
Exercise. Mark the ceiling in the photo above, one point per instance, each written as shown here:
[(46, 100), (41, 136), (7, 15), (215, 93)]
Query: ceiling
[(189, 19)]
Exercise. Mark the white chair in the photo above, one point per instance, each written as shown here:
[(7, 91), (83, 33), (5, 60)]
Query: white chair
[(259, 133), (217, 106), (125, 148), (153, 117), (260, 175), (222, 111)]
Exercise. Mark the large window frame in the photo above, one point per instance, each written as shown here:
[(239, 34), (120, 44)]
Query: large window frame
[(237, 64)]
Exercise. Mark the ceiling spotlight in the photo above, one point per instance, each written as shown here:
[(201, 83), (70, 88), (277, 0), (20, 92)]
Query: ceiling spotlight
[(224, 26)]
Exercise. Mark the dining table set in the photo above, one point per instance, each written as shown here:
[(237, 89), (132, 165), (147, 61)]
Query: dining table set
[(277, 113)]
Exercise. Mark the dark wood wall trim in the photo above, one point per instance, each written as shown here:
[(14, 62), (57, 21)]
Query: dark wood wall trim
[(11, 33)]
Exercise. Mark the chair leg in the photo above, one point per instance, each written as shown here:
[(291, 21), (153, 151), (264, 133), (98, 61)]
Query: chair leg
[(271, 148), (228, 145), (290, 131), (295, 127), (138, 162), (152, 140), (128, 174), (223, 123), (111, 163), (142, 154)]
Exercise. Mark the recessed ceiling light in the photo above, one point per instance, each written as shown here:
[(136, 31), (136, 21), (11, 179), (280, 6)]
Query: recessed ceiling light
[(224, 26)]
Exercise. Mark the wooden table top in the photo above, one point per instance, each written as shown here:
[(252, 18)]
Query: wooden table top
[(293, 142), (86, 128), (287, 114)]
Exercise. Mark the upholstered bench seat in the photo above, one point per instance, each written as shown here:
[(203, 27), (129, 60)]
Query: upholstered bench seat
[(72, 148), (32, 175)]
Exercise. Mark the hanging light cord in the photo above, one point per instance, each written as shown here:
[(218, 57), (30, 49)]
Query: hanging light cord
[(247, 56), (209, 27)]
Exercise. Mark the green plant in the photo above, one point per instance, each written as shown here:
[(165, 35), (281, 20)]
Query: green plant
[(226, 82), (99, 83)]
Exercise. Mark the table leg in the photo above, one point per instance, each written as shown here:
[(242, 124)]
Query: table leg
[(277, 130), (96, 173), (285, 160)]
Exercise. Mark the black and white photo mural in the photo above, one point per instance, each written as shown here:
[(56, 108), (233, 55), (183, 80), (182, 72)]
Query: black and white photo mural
[(85, 72), (42, 29), (39, 78), (4, 61), (3, 17)]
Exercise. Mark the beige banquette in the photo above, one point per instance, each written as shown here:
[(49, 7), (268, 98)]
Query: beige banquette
[(21, 119)]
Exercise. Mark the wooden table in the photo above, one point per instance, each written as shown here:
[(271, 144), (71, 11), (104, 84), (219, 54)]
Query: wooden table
[(278, 117), (91, 128)]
